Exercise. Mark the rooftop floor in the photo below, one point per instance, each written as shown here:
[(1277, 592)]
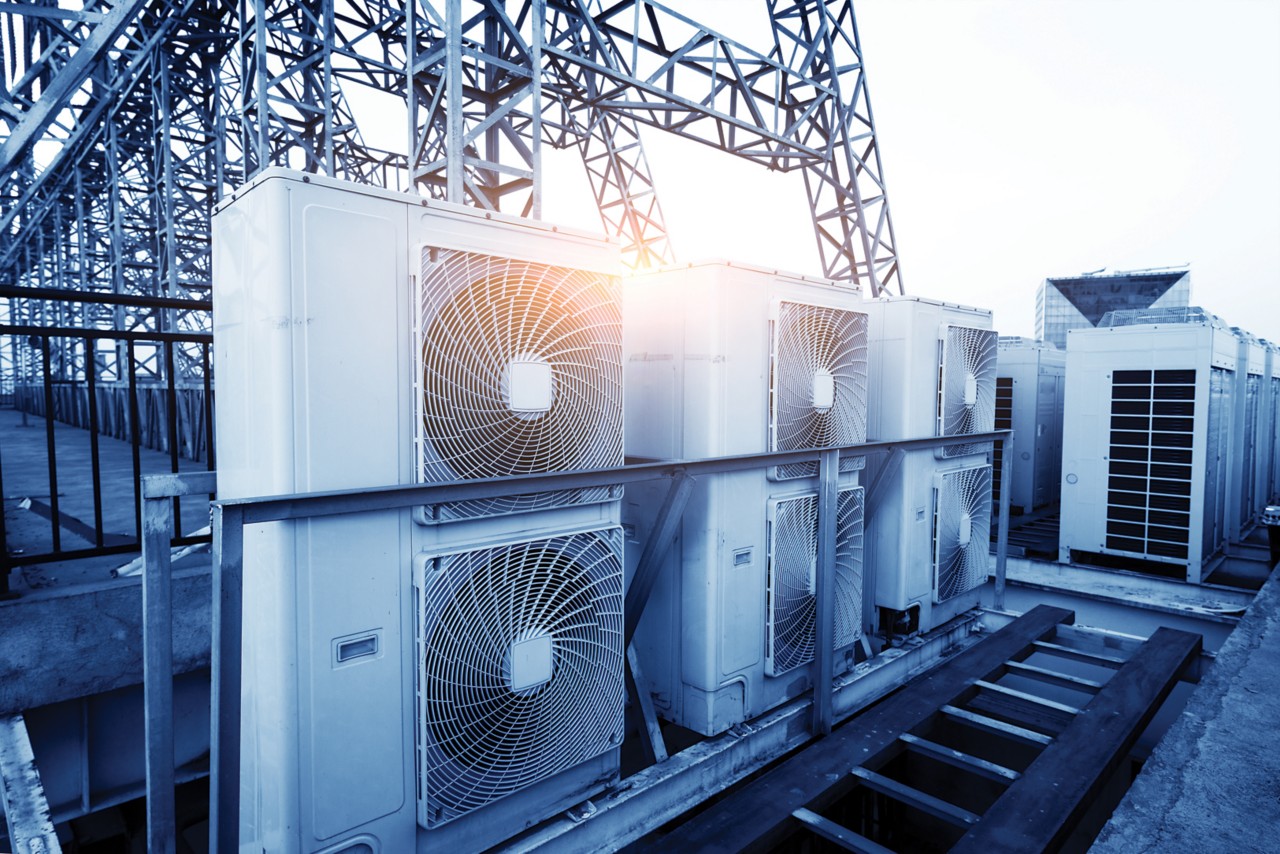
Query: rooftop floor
[(1212, 782)]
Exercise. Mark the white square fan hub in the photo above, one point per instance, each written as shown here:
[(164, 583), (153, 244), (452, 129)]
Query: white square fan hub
[(529, 387), (824, 390), (531, 663)]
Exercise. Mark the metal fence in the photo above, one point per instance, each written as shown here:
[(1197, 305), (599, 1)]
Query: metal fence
[(149, 389)]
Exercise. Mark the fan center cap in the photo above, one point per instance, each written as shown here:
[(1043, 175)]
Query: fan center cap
[(824, 390), (530, 663), (970, 391), (529, 386)]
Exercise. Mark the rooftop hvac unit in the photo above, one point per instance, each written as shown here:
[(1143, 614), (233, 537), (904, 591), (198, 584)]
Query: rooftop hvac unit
[(932, 373), (1030, 383), (1252, 449), (336, 372), (1147, 462), (725, 359), (1270, 432)]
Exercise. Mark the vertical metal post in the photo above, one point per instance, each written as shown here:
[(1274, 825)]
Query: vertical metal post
[(1002, 532), (55, 515), (454, 155), (536, 38), (655, 551), (224, 743), (95, 461), (5, 592), (825, 589), (157, 672)]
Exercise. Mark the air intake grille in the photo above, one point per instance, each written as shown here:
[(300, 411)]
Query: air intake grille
[(521, 667), (521, 374), (793, 558), (1004, 421), (1149, 473), (966, 386), (818, 383), (961, 531)]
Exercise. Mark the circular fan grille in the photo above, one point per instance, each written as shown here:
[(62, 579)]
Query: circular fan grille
[(484, 737), (962, 531), (490, 325), (792, 604), (819, 380), (967, 398)]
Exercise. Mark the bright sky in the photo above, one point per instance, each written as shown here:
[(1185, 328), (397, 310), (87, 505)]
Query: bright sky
[(1023, 139)]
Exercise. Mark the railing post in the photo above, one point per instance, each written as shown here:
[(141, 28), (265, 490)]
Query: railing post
[(228, 620), (1002, 533), (157, 670), (824, 590)]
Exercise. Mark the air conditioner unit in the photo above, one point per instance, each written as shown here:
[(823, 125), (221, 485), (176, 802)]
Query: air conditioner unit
[(1030, 381), (932, 373), (1146, 464), (366, 338), (727, 359), (1270, 432), (1251, 448)]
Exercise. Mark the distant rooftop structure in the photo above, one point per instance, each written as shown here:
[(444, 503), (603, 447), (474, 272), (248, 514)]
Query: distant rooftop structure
[(1164, 315), (1080, 302)]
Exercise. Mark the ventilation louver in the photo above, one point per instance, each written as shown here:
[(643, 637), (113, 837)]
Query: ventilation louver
[(961, 530), (793, 558), (521, 374), (818, 383), (967, 386), (521, 667)]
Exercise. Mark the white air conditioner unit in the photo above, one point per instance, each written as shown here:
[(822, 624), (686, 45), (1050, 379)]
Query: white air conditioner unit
[(366, 338), (1269, 476), (1251, 448), (932, 373), (1030, 381), (726, 359), (1146, 463)]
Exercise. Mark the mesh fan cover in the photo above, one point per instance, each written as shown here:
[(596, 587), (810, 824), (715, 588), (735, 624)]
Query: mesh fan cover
[(808, 339), (793, 550), (968, 356), (482, 314), (960, 567), (480, 740)]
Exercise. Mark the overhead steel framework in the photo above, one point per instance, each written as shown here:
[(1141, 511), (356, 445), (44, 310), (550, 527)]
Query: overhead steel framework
[(125, 121)]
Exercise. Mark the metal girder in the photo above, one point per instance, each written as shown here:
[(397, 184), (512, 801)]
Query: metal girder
[(819, 40)]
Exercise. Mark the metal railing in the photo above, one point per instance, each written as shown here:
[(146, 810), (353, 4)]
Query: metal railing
[(231, 516), (106, 397)]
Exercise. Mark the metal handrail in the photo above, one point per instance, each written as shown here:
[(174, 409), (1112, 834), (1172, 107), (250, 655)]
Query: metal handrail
[(229, 516)]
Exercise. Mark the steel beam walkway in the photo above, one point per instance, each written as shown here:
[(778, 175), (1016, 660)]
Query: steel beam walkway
[(1003, 747)]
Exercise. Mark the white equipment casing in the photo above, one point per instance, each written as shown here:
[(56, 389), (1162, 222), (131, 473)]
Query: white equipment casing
[(908, 338), (1147, 462), (316, 325), (1030, 383), (1252, 448), (698, 345)]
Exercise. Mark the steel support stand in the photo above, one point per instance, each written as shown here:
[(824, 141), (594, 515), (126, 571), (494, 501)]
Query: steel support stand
[(824, 594)]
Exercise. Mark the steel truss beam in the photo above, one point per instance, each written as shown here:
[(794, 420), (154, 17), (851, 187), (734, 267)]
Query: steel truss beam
[(123, 124)]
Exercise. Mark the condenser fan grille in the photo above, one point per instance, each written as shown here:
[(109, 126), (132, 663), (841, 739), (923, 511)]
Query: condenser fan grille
[(522, 667), (818, 382), (792, 568), (521, 374), (961, 531), (967, 386)]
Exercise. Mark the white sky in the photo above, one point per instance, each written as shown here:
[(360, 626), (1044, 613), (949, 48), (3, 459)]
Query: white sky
[(1023, 139)]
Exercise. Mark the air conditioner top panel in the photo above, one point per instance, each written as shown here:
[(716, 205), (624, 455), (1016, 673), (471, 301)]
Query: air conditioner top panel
[(898, 298), (1160, 316), (1046, 358), (1021, 342), (1191, 342), (453, 226), (730, 267)]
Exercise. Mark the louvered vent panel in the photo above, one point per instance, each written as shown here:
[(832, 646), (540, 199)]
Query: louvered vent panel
[(1149, 469), (961, 531)]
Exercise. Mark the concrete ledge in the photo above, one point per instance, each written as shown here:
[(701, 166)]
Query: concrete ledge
[(1210, 785), (62, 643)]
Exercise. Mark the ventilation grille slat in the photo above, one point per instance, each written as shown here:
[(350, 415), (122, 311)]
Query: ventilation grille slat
[(1149, 468)]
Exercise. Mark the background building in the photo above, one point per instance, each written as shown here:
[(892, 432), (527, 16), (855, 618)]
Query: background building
[(1079, 302)]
